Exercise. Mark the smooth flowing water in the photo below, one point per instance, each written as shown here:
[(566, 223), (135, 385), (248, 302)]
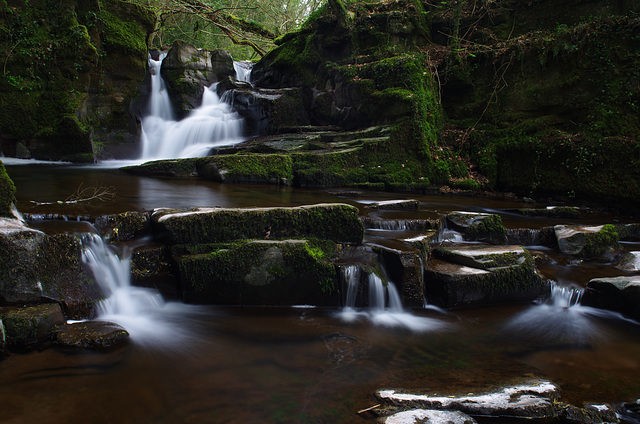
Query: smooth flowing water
[(307, 365), (210, 125)]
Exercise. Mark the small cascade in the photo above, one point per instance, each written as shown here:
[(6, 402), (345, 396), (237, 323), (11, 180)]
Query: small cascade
[(141, 311), (384, 306), (450, 236), (212, 124), (243, 70), (398, 224)]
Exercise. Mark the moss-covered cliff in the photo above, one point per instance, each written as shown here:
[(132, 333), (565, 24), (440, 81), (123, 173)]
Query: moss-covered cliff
[(70, 67)]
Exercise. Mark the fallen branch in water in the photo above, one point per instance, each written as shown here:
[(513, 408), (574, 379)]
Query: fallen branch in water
[(85, 194)]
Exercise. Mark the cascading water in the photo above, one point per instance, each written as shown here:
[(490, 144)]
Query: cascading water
[(243, 70), (385, 306), (212, 124), (141, 311)]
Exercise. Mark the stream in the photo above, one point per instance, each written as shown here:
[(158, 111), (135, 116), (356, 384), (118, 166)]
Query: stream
[(215, 364)]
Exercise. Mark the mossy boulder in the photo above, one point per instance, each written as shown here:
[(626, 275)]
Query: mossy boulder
[(35, 267), (260, 272), (7, 193), (337, 222), (458, 276), (479, 226), (94, 335), (30, 326), (586, 241), (620, 294), (124, 226), (151, 266)]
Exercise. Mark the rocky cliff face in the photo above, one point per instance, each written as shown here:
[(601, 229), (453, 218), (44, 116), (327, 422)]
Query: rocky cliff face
[(71, 71)]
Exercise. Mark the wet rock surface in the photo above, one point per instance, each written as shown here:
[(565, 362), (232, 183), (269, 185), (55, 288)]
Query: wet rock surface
[(30, 326), (479, 226), (586, 241), (620, 294), (96, 335)]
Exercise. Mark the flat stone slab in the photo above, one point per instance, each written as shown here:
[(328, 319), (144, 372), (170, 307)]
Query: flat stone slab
[(621, 294), (331, 221), (97, 335), (532, 399), (569, 212), (484, 257), (428, 416), (410, 204)]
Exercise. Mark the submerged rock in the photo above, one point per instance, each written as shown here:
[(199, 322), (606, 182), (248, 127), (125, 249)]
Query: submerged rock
[(620, 294), (98, 335), (30, 326), (531, 399), (586, 241), (331, 221), (479, 226), (477, 275), (259, 272)]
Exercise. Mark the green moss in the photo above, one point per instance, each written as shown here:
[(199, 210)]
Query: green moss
[(7, 192), (600, 242)]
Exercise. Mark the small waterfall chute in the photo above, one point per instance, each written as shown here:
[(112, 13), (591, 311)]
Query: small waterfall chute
[(385, 305), (141, 311)]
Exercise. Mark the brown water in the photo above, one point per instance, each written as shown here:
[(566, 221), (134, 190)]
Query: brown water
[(307, 365)]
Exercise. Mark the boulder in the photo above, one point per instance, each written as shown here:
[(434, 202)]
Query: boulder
[(260, 272), (7, 193), (406, 271), (150, 267), (187, 71), (247, 169), (630, 261), (125, 226), (37, 267), (477, 275), (589, 414), (586, 241), (97, 335), (479, 226), (30, 326), (532, 399), (332, 221), (620, 294)]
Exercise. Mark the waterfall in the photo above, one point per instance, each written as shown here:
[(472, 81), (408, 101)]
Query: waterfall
[(243, 70), (210, 125), (385, 305), (141, 311)]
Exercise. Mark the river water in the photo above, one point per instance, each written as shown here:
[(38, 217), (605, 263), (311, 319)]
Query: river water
[(307, 365)]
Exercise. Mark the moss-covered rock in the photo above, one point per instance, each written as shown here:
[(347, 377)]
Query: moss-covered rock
[(337, 222), (7, 193), (460, 276), (95, 335), (124, 226), (479, 226), (69, 66), (151, 267), (27, 327), (586, 241), (35, 267), (261, 272)]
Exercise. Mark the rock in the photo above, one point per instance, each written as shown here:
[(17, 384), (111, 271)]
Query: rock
[(590, 414), (98, 335), (568, 212), (332, 221), (479, 226), (401, 224), (545, 236), (150, 267), (30, 326), (406, 271), (260, 272), (427, 416), (586, 241), (628, 232), (620, 294), (395, 205), (7, 193), (187, 71), (531, 399), (125, 226), (247, 169), (630, 261), (479, 275), (37, 267)]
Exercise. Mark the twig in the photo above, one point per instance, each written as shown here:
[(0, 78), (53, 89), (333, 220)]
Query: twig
[(85, 194)]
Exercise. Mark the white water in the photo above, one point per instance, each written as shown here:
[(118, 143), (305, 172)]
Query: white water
[(243, 70), (141, 311), (385, 307), (213, 124)]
